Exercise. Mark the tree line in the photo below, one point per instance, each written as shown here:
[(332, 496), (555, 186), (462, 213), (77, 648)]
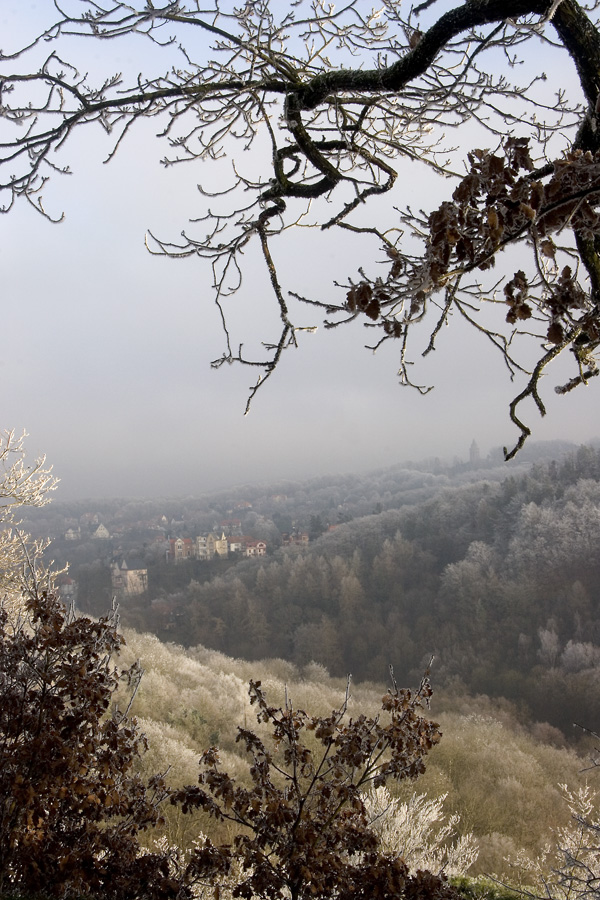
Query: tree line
[(291, 806), (497, 580)]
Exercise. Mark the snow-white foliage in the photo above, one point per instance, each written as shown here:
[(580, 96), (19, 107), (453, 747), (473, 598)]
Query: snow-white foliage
[(200, 889), (560, 536), (204, 703), (568, 868), (578, 656), (204, 694), (20, 485), (417, 830), (549, 646)]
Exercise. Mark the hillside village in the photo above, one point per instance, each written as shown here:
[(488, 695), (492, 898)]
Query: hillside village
[(152, 537), (493, 570), (127, 582), (126, 548), (145, 552)]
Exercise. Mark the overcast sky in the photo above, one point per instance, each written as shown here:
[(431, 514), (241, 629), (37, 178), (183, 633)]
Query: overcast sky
[(106, 350)]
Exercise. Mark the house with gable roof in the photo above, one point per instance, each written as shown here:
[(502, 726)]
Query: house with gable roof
[(128, 582), (180, 549)]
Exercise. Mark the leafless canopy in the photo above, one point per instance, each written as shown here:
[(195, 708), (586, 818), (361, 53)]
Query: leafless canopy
[(344, 97)]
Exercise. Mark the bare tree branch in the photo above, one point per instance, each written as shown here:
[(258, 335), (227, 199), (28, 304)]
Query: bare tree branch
[(344, 96)]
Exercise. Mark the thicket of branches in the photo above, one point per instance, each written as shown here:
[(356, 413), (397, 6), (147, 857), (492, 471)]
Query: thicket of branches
[(345, 100), (303, 827), (501, 775), (72, 807)]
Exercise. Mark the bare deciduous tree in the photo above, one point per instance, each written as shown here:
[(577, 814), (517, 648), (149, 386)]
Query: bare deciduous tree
[(567, 867), (335, 101)]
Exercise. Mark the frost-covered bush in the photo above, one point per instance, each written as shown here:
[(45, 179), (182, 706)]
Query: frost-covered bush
[(417, 830), (568, 868)]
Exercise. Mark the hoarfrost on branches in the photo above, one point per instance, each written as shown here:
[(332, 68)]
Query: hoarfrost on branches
[(339, 106), (417, 830)]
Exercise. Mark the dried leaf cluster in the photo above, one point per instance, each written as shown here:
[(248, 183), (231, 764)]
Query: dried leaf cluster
[(501, 201), (303, 828), (493, 206), (72, 807)]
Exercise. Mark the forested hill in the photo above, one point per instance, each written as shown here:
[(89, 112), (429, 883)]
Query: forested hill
[(498, 579)]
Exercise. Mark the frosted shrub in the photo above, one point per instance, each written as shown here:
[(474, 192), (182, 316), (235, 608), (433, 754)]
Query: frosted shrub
[(21, 485), (316, 672), (202, 699), (576, 657), (279, 669), (416, 831), (569, 867), (168, 749), (198, 889)]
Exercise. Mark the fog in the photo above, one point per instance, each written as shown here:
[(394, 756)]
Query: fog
[(107, 349)]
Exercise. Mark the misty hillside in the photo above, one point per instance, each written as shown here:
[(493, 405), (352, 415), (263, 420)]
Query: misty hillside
[(499, 776), (496, 577), (497, 580)]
